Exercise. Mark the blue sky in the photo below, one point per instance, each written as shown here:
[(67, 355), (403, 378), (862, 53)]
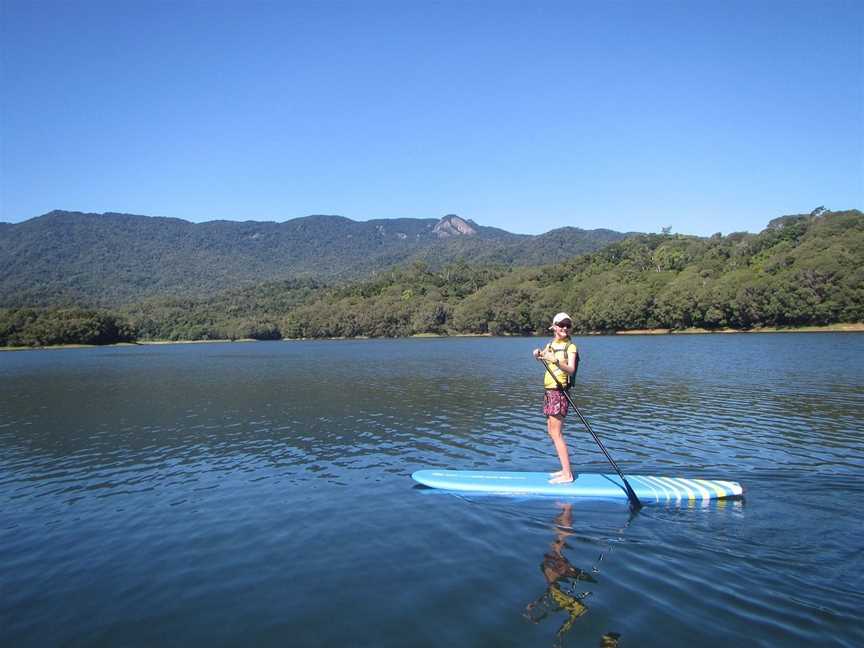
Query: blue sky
[(703, 116)]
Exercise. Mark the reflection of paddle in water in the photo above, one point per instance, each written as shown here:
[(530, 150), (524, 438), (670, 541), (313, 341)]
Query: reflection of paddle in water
[(562, 580)]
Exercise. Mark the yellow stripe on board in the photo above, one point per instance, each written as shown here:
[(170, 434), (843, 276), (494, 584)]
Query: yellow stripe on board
[(706, 496), (683, 484), (721, 492), (682, 488)]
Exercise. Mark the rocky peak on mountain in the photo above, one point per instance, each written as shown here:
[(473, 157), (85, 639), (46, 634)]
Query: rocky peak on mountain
[(109, 259), (452, 225)]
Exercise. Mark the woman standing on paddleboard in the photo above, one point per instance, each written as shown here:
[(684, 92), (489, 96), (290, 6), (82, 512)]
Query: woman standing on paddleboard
[(560, 356)]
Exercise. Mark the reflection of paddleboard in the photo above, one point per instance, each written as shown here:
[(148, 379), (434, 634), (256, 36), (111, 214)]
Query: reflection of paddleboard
[(647, 488)]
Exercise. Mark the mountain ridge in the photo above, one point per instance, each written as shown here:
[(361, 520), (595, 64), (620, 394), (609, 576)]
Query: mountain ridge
[(64, 257)]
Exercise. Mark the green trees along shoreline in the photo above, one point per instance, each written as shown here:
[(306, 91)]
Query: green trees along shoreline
[(801, 270), (49, 327)]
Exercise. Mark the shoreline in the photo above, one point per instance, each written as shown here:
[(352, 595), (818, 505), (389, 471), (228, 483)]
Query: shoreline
[(827, 328), (125, 344), (857, 327)]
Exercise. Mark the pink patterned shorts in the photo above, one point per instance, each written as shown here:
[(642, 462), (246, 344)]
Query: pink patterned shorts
[(555, 403)]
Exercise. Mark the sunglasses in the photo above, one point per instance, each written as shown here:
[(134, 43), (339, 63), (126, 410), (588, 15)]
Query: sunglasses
[(564, 326)]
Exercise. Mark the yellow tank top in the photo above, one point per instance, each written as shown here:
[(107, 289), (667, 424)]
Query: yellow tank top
[(564, 350)]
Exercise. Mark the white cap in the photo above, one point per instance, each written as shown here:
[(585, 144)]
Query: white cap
[(561, 317)]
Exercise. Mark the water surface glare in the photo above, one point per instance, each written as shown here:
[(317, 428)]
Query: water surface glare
[(260, 494)]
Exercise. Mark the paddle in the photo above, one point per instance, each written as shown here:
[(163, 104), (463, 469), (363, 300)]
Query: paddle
[(635, 504)]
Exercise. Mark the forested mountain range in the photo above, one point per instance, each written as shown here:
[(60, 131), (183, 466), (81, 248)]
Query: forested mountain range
[(108, 260), (801, 270)]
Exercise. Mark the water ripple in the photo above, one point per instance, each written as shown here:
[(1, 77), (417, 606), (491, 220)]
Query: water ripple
[(216, 495)]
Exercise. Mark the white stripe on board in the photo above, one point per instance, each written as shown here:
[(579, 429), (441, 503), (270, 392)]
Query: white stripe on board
[(682, 491), (691, 494), (716, 486), (644, 483), (734, 487), (706, 496), (670, 488)]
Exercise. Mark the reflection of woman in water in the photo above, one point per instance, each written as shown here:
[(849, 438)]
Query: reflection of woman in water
[(561, 579)]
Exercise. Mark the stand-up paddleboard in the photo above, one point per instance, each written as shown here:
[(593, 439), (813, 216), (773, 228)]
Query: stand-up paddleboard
[(648, 488)]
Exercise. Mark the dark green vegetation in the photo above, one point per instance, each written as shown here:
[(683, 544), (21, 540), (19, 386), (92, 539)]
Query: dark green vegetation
[(45, 327), (249, 313), (111, 260), (801, 270)]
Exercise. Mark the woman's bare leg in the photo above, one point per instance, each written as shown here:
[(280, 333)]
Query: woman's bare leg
[(555, 427)]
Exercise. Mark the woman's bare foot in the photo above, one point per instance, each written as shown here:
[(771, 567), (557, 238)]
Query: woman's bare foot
[(562, 479)]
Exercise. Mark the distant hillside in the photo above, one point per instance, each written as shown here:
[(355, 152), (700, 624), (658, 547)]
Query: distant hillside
[(72, 258), (802, 270)]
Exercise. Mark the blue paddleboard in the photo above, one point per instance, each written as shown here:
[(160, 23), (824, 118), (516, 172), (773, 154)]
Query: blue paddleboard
[(648, 488)]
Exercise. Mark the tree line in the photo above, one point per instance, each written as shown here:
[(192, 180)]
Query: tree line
[(801, 270)]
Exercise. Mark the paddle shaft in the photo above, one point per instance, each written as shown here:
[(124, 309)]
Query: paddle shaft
[(634, 501)]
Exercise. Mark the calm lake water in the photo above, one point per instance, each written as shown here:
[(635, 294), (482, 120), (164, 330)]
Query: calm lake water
[(260, 494)]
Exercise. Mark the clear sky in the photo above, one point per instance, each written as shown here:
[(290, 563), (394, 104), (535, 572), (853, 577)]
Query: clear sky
[(533, 115)]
